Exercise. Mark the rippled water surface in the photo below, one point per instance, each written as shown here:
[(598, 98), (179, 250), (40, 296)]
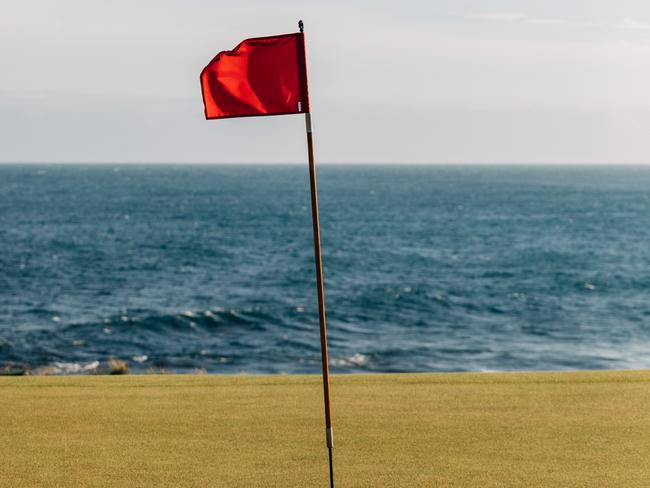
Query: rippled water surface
[(426, 268)]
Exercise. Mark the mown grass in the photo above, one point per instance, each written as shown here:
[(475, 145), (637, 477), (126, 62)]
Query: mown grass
[(580, 429)]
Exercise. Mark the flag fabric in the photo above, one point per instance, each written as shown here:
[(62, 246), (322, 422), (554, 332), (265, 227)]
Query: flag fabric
[(261, 76)]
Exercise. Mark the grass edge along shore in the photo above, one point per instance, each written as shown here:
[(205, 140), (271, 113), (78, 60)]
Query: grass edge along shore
[(569, 429)]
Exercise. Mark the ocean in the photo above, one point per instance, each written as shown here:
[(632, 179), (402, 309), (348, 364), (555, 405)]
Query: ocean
[(188, 268)]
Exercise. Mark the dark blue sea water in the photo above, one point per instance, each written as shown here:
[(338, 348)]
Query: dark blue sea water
[(433, 268)]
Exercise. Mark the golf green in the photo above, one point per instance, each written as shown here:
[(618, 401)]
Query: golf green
[(568, 429)]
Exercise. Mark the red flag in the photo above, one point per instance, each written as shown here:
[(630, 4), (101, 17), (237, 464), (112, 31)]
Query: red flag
[(261, 76)]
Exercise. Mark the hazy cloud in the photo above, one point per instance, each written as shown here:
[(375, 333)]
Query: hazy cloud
[(497, 16), (549, 22), (633, 24), (521, 17)]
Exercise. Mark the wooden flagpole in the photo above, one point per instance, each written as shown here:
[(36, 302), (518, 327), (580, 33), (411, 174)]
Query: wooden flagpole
[(329, 435)]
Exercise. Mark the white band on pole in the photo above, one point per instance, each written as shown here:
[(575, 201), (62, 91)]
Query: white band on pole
[(308, 121)]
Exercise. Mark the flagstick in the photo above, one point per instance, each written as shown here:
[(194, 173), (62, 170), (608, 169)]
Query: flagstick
[(321, 296)]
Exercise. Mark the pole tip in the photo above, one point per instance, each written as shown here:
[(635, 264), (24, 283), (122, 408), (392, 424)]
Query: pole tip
[(301, 26)]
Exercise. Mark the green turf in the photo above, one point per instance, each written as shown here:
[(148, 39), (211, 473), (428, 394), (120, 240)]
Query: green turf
[(473, 430)]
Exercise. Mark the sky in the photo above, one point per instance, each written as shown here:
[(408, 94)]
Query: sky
[(445, 81)]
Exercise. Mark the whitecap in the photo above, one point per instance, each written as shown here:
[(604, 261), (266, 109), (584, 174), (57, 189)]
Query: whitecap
[(67, 367), (90, 366), (357, 359), (74, 368)]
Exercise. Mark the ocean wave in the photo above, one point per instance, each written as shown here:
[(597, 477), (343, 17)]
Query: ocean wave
[(186, 321), (185, 340)]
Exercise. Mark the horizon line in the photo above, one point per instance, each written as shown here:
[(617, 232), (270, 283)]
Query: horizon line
[(334, 163)]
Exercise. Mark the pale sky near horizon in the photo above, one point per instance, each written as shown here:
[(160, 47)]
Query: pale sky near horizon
[(412, 81)]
